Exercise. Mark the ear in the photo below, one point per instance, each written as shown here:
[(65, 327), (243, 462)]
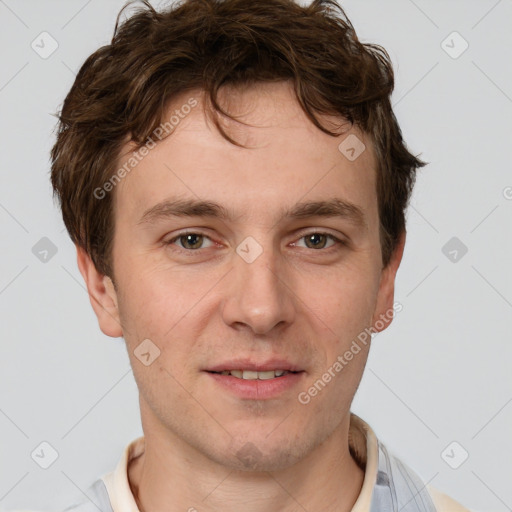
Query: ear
[(383, 314), (102, 295)]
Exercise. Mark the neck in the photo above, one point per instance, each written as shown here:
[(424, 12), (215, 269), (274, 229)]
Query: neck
[(172, 476)]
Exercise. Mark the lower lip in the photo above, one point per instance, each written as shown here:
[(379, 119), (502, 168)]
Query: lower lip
[(257, 389)]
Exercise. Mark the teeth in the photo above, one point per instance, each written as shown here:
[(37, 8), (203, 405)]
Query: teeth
[(253, 375), (265, 375)]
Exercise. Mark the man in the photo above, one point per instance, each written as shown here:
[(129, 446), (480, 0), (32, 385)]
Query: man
[(235, 181)]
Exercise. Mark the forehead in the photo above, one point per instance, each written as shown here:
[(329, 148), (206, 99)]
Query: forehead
[(286, 158)]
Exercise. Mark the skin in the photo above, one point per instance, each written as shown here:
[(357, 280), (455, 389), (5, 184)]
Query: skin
[(295, 301)]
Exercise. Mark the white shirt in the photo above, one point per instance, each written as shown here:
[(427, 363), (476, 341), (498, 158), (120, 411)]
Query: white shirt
[(388, 485)]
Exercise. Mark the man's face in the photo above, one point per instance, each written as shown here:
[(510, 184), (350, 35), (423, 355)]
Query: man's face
[(257, 289)]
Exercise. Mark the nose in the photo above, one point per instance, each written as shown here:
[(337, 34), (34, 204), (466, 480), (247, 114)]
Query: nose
[(259, 295)]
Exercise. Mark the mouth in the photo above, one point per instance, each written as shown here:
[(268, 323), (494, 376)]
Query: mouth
[(250, 380), (255, 375)]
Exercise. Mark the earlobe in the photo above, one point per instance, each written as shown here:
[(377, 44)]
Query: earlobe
[(383, 314), (102, 295)]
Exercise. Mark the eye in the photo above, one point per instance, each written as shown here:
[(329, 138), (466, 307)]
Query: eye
[(190, 241), (319, 240)]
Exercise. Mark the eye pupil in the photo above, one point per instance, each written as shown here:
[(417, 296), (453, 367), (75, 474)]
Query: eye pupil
[(191, 241), (311, 239)]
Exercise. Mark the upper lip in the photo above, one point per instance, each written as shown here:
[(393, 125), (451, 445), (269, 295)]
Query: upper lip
[(251, 365)]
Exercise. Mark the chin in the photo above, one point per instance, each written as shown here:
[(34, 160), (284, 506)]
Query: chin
[(250, 458), (262, 455)]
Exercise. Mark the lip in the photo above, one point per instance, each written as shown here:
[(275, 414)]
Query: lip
[(257, 389), (251, 365)]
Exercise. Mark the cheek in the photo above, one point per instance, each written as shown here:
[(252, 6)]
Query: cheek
[(156, 297), (343, 301), (170, 309)]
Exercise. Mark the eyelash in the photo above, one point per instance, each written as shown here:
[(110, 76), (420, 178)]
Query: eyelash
[(189, 251)]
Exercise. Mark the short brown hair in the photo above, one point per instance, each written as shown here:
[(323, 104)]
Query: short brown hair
[(123, 89)]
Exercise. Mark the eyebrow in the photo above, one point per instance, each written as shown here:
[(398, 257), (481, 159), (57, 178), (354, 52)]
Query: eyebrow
[(334, 207)]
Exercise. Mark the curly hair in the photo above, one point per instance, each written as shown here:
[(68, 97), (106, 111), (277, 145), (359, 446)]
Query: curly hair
[(123, 90)]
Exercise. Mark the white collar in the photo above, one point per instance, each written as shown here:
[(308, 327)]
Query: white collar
[(363, 447)]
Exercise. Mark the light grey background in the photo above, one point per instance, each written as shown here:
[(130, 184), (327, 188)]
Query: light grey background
[(440, 373)]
